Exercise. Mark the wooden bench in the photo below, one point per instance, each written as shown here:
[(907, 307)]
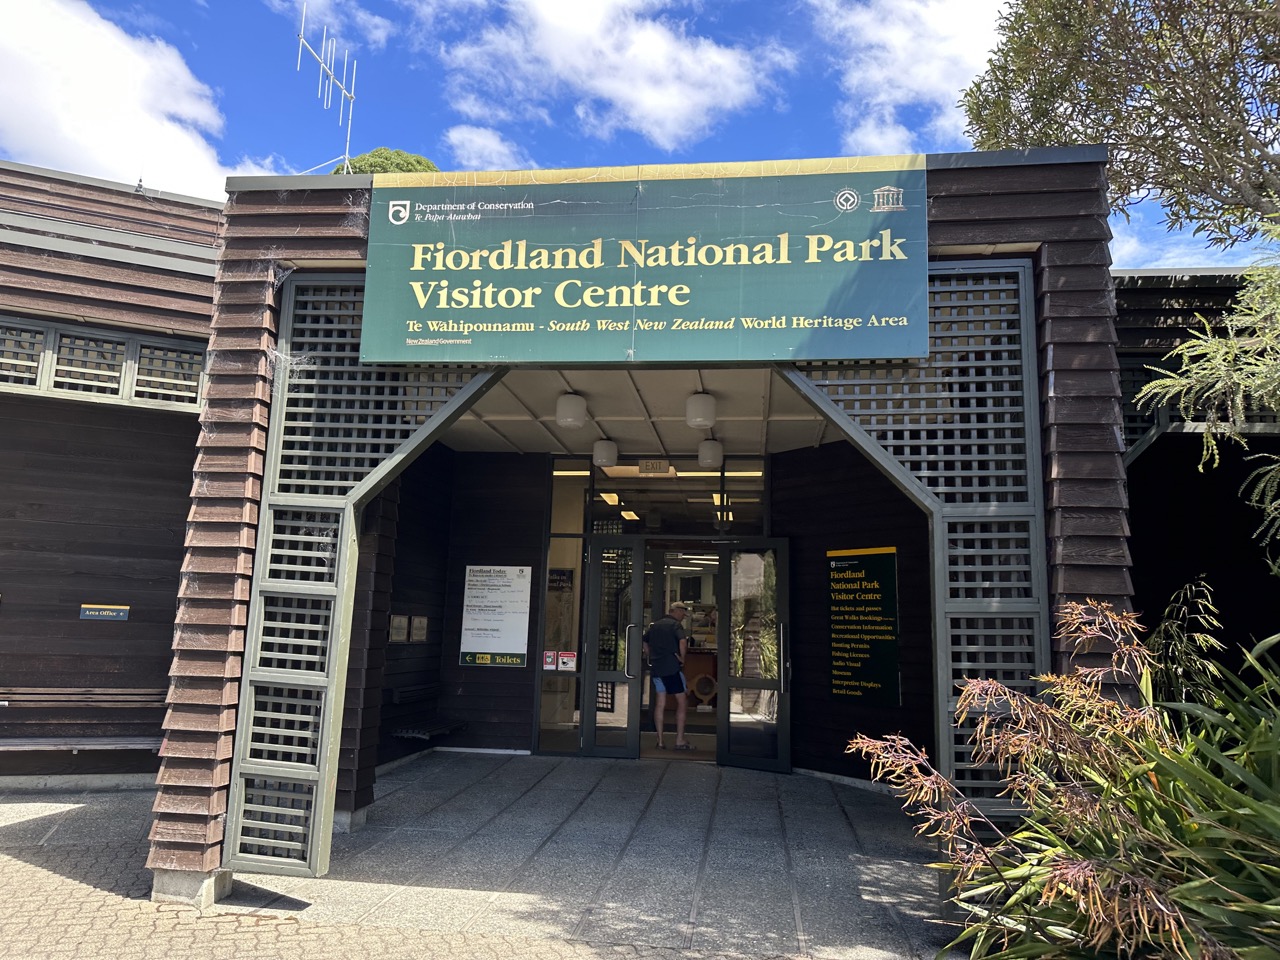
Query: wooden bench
[(434, 727), (416, 693), (76, 744), (427, 728), (82, 697), (79, 698)]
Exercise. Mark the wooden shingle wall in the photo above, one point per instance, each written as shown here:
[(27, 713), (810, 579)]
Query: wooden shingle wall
[(879, 516), (96, 495), (1154, 310), (92, 506), (499, 502), (367, 660), (413, 678), (96, 252), (267, 233), (1176, 538), (1061, 210)]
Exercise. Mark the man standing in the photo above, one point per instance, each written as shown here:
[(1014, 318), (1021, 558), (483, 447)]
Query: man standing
[(665, 645)]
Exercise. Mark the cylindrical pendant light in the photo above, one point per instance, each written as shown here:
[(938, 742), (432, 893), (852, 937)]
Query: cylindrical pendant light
[(604, 453), (710, 454), (700, 411), (571, 411)]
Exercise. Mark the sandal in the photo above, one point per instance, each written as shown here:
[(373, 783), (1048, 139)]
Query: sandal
[(683, 746)]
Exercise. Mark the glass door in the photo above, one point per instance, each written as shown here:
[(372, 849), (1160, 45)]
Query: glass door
[(611, 691), (738, 664), (754, 708), (686, 572)]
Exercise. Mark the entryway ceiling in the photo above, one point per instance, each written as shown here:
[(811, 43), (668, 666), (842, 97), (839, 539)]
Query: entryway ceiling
[(643, 411)]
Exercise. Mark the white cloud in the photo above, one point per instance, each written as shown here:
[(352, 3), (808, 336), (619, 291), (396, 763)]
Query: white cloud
[(1143, 243), (430, 17), (347, 22), (876, 133), (620, 64), (98, 102), (903, 65), (483, 148)]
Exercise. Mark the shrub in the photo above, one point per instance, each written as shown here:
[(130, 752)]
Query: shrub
[(1142, 836), (386, 160)]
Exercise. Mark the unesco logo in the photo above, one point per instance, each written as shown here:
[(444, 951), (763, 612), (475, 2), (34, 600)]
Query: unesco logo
[(847, 200), (398, 211)]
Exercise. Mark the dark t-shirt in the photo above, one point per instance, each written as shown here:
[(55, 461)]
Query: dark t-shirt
[(663, 637)]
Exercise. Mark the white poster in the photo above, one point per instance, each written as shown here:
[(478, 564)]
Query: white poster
[(495, 617)]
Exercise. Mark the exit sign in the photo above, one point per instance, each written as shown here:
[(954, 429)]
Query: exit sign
[(655, 468)]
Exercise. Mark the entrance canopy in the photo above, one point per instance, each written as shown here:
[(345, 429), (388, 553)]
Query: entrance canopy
[(643, 411)]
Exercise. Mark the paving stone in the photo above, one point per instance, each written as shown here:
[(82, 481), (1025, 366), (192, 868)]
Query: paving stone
[(606, 860)]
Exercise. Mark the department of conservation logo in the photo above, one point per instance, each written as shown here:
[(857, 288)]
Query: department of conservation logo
[(398, 211)]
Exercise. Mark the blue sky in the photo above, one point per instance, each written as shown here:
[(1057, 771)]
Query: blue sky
[(183, 93)]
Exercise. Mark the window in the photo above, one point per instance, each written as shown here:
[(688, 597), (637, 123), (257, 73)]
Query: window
[(100, 364)]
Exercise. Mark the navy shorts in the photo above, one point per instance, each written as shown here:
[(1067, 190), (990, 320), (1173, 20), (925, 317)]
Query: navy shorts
[(672, 684)]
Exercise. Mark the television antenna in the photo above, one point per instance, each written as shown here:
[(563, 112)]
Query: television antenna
[(329, 83)]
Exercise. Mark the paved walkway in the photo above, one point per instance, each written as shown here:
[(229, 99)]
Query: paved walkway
[(481, 856)]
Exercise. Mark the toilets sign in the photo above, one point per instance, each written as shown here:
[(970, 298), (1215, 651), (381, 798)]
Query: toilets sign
[(705, 263)]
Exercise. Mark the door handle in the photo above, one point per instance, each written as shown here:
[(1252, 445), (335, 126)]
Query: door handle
[(626, 659), (784, 659)]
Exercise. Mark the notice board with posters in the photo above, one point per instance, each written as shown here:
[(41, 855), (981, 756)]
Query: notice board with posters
[(690, 263), (495, 617), (863, 590)]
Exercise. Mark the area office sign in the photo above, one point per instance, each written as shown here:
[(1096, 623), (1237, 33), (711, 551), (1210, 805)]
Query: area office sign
[(703, 263)]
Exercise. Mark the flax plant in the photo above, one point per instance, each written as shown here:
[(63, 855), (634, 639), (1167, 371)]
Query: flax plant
[(1140, 836), (1182, 647)]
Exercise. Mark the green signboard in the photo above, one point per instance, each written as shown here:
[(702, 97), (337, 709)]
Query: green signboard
[(863, 588), (703, 263)]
